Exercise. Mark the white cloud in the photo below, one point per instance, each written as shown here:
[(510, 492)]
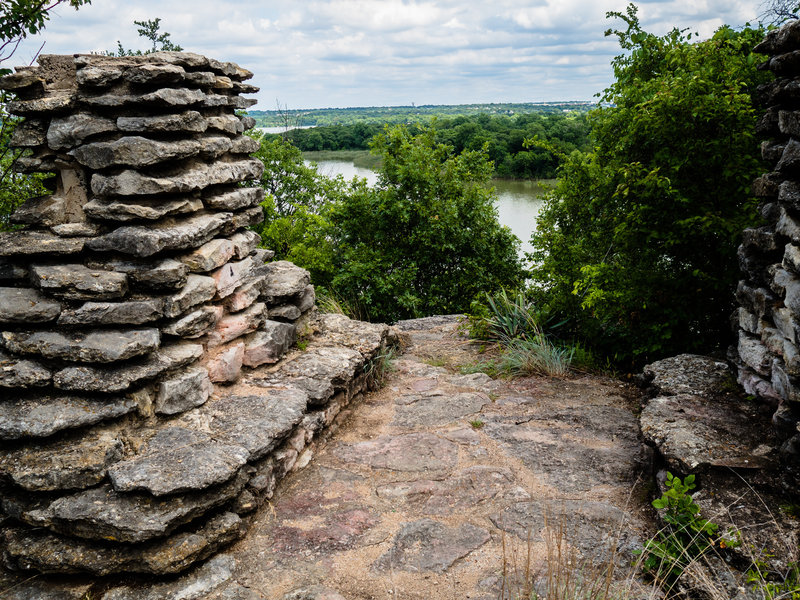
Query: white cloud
[(362, 52)]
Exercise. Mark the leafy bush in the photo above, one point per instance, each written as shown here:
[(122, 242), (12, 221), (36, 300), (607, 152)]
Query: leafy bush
[(686, 536), (637, 242), (424, 241)]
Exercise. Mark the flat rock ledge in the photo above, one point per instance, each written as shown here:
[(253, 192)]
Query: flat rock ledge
[(701, 424), (186, 488)]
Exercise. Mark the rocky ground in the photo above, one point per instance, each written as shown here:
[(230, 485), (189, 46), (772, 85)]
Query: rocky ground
[(446, 486)]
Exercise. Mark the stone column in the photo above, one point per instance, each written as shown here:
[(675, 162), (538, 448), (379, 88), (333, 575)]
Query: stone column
[(128, 292), (768, 319)]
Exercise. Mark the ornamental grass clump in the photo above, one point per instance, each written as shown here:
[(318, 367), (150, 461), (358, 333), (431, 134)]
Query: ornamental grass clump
[(524, 335)]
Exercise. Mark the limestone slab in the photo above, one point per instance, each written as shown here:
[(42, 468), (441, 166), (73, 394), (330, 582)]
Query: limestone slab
[(182, 392), (68, 132), (189, 121), (112, 209), (258, 423), (232, 275), (226, 365), (198, 289), (25, 305), (245, 295), (73, 462), (245, 242), (209, 256), (134, 151), (149, 74), (285, 312), (103, 514), (45, 414), (285, 281), (41, 550), (30, 243), (110, 379), (158, 274), (691, 432), (235, 325), (425, 410), (688, 374), (45, 211), (196, 323), (16, 372), (194, 177), (134, 312), (99, 77), (269, 344), (194, 586), (29, 134), (406, 452), (244, 145), (54, 103), (235, 199), (169, 234), (76, 229), (178, 460), (102, 346), (428, 545), (77, 282), (226, 123), (214, 146), (320, 371)]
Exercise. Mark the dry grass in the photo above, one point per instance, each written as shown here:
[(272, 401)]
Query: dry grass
[(559, 572)]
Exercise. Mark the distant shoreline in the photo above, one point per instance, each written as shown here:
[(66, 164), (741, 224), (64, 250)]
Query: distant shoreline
[(314, 117)]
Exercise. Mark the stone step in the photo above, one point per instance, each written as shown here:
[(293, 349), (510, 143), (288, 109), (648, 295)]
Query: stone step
[(101, 513), (76, 461), (42, 415), (227, 453), (100, 346), (40, 550)]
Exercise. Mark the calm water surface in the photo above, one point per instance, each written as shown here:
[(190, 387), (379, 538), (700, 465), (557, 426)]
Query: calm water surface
[(518, 202)]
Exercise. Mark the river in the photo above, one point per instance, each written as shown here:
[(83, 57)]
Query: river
[(518, 202)]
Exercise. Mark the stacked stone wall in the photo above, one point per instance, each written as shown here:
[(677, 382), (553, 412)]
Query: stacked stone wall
[(768, 317), (128, 293)]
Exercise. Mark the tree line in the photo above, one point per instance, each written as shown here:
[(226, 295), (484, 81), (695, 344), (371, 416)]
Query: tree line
[(506, 139)]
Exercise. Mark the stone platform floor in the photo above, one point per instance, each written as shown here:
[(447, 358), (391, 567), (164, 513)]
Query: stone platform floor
[(432, 485)]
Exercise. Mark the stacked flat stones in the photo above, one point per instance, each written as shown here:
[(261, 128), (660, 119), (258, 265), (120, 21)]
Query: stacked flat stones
[(130, 291), (768, 319)]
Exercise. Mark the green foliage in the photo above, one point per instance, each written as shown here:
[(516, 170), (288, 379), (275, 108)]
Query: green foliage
[(426, 239), (525, 336), (500, 317), (295, 226), (503, 136), (150, 31), (782, 586), (686, 536), (383, 115), (18, 19), (21, 18), (637, 242), (15, 187)]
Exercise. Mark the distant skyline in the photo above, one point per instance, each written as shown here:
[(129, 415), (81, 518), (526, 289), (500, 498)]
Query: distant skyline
[(341, 53)]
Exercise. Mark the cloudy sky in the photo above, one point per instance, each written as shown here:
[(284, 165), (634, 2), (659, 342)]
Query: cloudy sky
[(337, 53)]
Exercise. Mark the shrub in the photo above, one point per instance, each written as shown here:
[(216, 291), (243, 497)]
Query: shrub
[(637, 242)]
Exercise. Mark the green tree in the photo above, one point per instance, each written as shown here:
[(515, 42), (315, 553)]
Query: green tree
[(637, 243), (149, 30), (426, 239), (296, 194), (20, 18)]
